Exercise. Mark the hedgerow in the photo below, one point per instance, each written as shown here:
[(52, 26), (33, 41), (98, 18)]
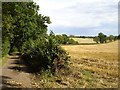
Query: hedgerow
[(45, 54), (26, 31)]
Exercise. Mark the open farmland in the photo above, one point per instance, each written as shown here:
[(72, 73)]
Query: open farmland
[(34, 56), (95, 65), (84, 40), (91, 66)]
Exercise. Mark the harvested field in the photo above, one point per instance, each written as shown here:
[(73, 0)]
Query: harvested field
[(84, 40), (97, 65), (91, 66)]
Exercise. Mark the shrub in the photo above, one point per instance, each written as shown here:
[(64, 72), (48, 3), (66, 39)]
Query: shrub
[(96, 39), (44, 54), (73, 42), (111, 38), (102, 38), (64, 39), (119, 36), (5, 47)]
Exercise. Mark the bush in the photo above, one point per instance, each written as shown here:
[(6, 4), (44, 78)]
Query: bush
[(44, 54), (64, 39), (96, 39), (5, 47), (102, 38), (111, 38), (73, 42)]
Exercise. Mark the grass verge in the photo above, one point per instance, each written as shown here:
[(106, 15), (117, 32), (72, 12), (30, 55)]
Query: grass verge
[(4, 59)]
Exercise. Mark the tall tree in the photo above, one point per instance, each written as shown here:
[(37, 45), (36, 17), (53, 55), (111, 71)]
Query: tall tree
[(22, 22), (111, 38), (102, 37)]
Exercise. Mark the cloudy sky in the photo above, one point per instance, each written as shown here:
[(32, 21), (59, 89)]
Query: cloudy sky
[(81, 17)]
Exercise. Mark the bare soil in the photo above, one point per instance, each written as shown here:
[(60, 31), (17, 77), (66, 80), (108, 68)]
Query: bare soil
[(14, 74)]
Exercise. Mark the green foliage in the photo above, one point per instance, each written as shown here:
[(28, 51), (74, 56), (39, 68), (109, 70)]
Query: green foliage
[(102, 38), (21, 22), (111, 38), (119, 36), (73, 42), (64, 39), (45, 54), (73, 36), (96, 39), (26, 31), (5, 47), (105, 38), (115, 38)]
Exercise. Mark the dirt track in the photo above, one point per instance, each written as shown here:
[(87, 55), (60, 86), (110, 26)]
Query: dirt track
[(14, 74)]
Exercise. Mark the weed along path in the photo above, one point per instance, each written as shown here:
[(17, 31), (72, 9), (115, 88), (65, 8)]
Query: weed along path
[(14, 73)]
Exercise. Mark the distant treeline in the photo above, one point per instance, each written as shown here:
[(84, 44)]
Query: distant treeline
[(73, 36), (102, 38), (64, 39)]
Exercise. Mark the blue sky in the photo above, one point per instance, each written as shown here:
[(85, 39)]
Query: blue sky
[(81, 17)]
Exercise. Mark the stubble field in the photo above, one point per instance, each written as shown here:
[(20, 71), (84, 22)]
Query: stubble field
[(84, 40), (91, 66), (96, 65)]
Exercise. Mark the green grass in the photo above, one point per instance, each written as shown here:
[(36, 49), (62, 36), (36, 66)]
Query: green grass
[(3, 60)]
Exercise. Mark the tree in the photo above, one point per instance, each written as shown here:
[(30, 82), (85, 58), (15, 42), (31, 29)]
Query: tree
[(65, 38), (111, 38), (26, 30), (105, 38), (115, 38), (96, 39), (102, 37), (59, 39), (119, 36), (22, 22)]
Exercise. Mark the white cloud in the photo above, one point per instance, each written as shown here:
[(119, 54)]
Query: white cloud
[(79, 13)]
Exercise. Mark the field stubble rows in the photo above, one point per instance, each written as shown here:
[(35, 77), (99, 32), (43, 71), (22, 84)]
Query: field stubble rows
[(91, 66), (97, 65)]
